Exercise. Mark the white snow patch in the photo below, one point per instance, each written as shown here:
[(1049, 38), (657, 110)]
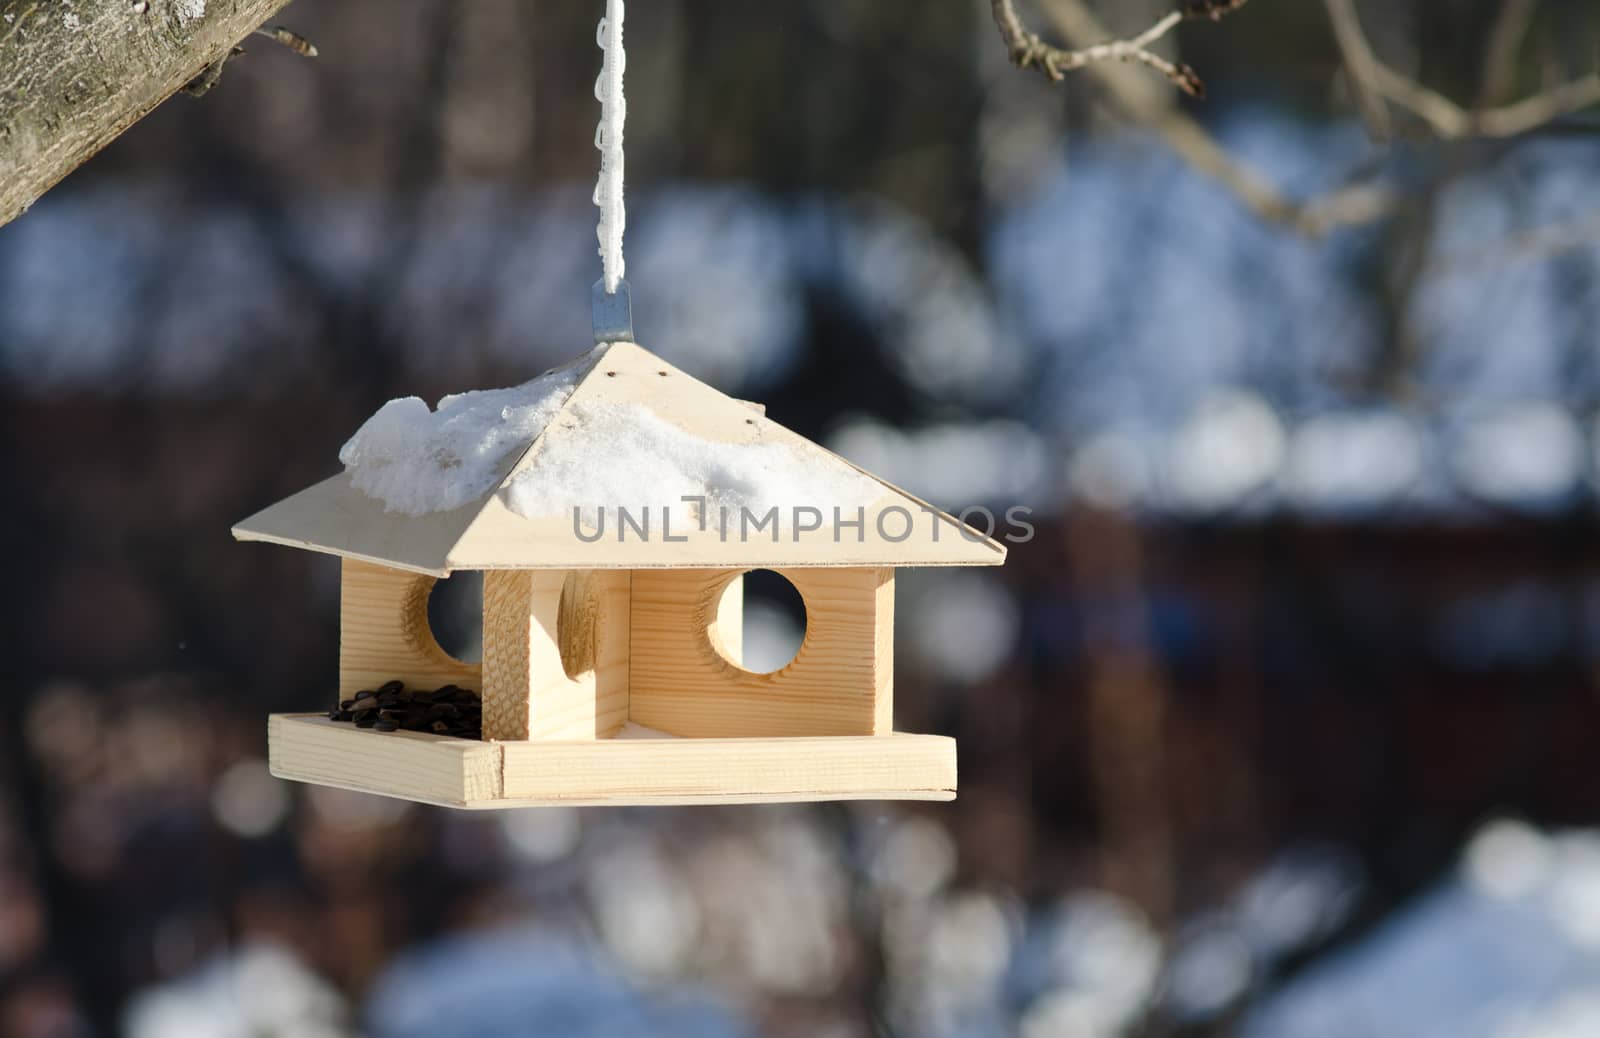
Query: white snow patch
[(189, 10), (1233, 445), (1526, 453), (418, 461), (1353, 461), (260, 988), (627, 456), (1509, 859)]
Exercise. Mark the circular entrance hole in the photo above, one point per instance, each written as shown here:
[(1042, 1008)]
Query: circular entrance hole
[(455, 615), (774, 622)]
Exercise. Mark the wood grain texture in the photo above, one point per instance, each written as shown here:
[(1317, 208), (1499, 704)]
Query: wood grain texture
[(334, 517), (555, 653), (384, 632), (510, 660), (839, 683), (642, 770), (883, 653), (431, 769), (730, 618), (74, 76), (620, 771)]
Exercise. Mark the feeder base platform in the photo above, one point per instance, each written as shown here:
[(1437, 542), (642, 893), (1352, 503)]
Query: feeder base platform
[(638, 766)]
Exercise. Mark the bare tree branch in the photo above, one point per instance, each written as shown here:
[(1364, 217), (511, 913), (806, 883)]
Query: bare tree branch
[(1532, 112), (1361, 69), (73, 77), (288, 38), (211, 75), (1446, 118), (1377, 80), (1351, 205), (1027, 50), (1539, 243), (1500, 55)]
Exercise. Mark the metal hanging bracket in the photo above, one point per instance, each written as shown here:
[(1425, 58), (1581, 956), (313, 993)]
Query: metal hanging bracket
[(613, 312)]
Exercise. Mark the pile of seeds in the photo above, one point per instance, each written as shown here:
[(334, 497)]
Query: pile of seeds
[(451, 710)]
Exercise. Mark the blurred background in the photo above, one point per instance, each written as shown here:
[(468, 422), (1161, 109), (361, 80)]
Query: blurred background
[(1282, 725)]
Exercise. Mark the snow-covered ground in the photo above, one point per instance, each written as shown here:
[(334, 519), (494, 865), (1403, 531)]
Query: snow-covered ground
[(1508, 947)]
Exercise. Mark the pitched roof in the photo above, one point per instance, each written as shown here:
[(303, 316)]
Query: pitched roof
[(635, 421)]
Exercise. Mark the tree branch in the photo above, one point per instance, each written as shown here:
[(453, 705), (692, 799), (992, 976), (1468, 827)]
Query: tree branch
[(1500, 55), (1027, 50), (1361, 67), (1540, 243), (1446, 118), (73, 78), (1350, 205)]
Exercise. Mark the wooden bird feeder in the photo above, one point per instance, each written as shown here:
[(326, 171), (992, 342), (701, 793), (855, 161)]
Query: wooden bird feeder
[(611, 670)]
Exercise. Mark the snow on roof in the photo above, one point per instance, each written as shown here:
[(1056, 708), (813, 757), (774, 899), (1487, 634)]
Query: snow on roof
[(626, 452), (416, 460), (617, 460)]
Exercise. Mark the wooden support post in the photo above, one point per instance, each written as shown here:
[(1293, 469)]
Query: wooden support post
[(555, 653)]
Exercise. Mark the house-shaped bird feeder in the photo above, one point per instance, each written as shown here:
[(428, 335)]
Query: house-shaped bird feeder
[(612, 507)]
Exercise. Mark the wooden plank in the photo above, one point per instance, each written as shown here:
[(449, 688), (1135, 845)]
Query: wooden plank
[(555, 654), (660, 770), (708, 799), (897, 529), (334, 517), (384, 632), (839, 683), (656, 770), (801, 768), (641, 770), (432, 769)]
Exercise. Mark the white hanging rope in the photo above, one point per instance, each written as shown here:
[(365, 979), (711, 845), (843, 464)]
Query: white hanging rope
[(608, 139)]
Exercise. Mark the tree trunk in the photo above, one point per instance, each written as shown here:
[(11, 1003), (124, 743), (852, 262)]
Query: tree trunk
[(75, 73)]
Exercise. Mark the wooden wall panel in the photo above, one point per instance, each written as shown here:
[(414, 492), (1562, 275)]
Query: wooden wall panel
[(839, 683), (384, 633)]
